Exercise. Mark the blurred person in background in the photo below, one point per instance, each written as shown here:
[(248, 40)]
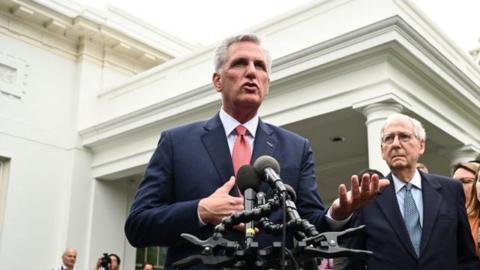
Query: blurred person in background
[(113, 262), (422, 167), (69, 258), (147, 266), (473, 211), (466, 173)]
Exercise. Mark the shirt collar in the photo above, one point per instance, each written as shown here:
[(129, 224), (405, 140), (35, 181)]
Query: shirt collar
[(230, 123), (416, 182)]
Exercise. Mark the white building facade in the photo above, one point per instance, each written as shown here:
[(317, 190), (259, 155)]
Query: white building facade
[(84, 96)]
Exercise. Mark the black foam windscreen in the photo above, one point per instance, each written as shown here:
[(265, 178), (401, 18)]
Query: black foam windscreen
[(264, 162), (247, 177)]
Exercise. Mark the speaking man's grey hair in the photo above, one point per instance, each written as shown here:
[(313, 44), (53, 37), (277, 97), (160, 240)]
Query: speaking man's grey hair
[(222, 50)]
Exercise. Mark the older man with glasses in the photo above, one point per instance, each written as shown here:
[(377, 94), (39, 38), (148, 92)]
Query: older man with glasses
[(418, 221)]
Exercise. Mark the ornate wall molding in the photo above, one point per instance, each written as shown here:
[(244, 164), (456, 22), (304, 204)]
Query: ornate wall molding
[(13, 76)]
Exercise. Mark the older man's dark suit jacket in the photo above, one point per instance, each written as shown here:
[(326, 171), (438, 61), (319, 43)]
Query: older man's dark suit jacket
[(190, 163), (446, 240)]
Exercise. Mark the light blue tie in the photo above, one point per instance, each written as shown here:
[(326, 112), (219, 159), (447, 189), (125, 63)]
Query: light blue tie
[(412, 218)]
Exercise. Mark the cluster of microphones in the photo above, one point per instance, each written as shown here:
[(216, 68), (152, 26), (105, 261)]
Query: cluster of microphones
[(249, 179), (221, 252)]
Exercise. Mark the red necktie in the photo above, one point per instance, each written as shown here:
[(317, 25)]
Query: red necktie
[(241, 153)]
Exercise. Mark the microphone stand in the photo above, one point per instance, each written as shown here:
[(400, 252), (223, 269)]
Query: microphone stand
[(223, 253)]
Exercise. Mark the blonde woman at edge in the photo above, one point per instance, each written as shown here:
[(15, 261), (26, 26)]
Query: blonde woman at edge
[(473, 211)]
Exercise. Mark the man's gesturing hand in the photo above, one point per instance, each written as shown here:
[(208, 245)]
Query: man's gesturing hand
[(220, 204), (357, 197)]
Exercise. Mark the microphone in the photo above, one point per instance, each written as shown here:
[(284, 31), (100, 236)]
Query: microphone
[(290, 202), (292, 195), (248, 182), (269, 168)]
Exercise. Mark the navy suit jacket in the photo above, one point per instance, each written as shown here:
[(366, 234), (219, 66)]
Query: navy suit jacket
[(446, 239), (190, 163)]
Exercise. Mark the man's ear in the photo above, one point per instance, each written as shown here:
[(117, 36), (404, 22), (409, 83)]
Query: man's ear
[(422, 147), (217, 81)]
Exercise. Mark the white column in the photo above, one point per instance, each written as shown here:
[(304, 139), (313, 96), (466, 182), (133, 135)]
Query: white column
[(376, 115)]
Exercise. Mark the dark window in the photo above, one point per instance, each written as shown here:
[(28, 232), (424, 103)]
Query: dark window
[(154, 255)]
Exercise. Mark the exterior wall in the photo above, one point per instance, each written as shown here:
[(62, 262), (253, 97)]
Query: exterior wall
[(37, 135), (55, 59), (51, 201)]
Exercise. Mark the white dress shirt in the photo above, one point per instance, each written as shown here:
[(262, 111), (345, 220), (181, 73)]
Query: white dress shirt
[(230, 123)]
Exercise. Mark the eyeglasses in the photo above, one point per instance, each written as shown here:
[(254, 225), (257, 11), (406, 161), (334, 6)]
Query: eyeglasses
[(402, 136)]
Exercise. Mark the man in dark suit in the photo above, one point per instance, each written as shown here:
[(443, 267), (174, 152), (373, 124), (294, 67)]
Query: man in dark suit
[(188, 186), (419, 220)]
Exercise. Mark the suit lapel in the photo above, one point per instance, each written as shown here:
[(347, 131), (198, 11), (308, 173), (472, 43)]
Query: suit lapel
[(215, 142), (388, 203), (265, 141), (431, 202)]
